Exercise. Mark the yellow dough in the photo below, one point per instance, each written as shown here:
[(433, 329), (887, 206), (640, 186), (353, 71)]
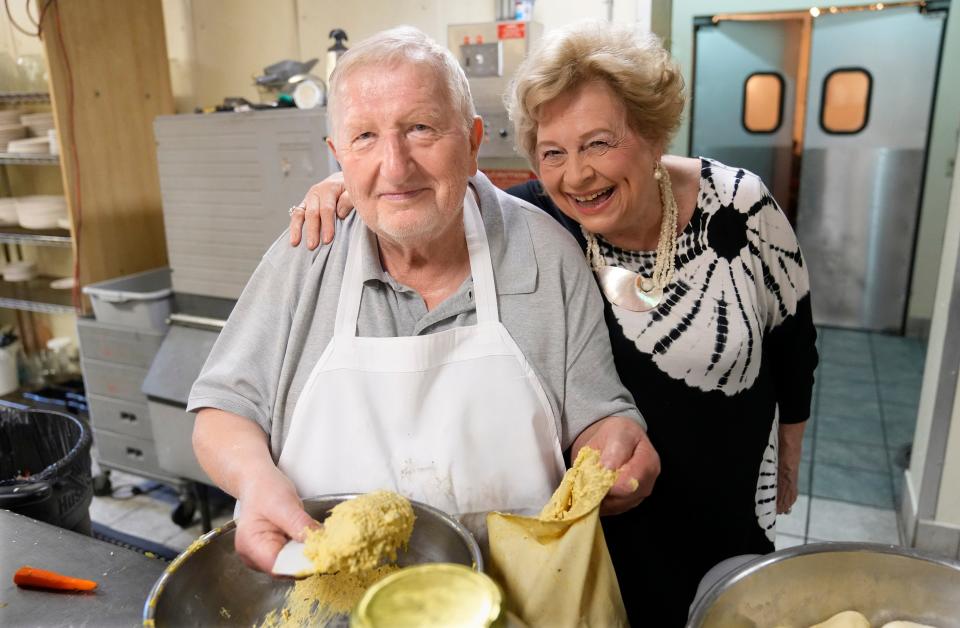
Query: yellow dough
[(846, 619), (583, 487), (360, 532), (906, 624)]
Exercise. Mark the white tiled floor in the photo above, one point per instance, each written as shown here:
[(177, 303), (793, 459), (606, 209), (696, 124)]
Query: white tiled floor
[(832, 520), (145, 516)]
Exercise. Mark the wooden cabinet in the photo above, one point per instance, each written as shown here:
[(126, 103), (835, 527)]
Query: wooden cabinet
[(109, 78)]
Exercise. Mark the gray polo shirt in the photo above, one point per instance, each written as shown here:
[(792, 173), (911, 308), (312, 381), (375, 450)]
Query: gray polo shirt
[(547, 297)]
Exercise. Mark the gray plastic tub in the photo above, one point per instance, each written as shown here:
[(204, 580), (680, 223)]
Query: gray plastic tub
[(141, 300)]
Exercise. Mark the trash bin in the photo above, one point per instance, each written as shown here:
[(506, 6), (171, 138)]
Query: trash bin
[(45, 467)]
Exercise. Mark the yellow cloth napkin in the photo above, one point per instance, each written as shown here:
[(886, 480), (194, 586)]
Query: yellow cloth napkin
[(555, 569)]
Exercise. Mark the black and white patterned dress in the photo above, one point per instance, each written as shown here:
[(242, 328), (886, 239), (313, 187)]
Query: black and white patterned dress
[(731, 348)]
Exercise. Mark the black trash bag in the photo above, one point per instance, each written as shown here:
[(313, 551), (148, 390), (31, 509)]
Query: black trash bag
[(45, 467)]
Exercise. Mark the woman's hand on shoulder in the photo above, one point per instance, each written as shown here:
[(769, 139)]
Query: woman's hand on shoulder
[(324, 203)]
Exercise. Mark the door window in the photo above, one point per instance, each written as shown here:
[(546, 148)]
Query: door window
[(846, 100), (763, 102)]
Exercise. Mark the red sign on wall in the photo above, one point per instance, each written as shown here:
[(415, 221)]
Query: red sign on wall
[(512, 30)]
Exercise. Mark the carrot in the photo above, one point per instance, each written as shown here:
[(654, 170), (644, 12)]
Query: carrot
[(32, 577)]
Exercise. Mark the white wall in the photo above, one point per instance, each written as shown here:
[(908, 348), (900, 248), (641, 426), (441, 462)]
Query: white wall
[(947, 285), (215, 47)]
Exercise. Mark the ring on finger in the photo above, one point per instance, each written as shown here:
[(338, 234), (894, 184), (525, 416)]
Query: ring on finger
[(295, 208)]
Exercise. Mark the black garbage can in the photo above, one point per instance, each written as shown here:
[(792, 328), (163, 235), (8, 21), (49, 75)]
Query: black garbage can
[(45, 467)]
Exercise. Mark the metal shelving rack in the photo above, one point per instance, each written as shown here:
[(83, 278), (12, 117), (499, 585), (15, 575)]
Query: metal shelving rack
[(37, 237), (29, 159), (16, 98), (35, 295)]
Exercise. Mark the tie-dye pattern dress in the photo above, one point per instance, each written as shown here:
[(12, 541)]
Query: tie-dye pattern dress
[(728, 353)]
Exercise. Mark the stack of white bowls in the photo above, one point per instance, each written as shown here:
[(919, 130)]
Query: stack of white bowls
[(19, 271), (41, 212), (37, 123), (30, 145), (10, 128), (8, 212), (10, 116)]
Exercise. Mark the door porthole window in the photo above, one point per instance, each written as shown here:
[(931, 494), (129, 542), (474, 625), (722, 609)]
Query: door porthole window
[(763, 102), (845, 104)]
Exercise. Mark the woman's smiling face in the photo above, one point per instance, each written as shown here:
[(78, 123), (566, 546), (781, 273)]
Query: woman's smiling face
[(594, 166)]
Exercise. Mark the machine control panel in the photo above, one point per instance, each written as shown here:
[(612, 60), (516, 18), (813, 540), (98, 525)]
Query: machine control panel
[(481, 60), (498, 140)]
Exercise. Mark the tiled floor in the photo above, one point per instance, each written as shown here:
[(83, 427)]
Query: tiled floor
[(147, 516), (856, 444), (855, 450)]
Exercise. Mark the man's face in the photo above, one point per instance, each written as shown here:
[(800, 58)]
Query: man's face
[(405, 153)]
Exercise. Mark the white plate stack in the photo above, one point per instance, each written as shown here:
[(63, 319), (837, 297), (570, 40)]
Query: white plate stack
[(9, 131), (19, 271), (41, 212), (37, 123), (30, 145), (8, 212)]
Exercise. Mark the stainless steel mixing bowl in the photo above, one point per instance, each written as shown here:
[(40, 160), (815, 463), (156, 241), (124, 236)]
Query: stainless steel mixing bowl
[(804, 585), (208, 585)]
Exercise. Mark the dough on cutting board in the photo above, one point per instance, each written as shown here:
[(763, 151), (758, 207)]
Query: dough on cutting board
[(906, 624), (846, 619)]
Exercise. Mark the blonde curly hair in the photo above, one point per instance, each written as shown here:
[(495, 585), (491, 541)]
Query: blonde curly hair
[(637, 68)]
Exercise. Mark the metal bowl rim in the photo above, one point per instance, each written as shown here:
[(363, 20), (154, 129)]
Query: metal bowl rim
[(149, 607), (697, 614)]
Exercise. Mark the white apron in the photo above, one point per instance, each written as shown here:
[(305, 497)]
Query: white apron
[(455, 419)]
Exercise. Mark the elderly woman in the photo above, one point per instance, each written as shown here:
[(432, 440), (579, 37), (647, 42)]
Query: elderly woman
[(706, 300)]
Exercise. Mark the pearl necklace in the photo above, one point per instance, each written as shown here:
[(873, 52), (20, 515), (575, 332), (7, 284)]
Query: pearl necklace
[(630, 290)]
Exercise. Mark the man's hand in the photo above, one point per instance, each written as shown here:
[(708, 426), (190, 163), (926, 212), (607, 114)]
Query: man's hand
[(324, 202), (623, 446), (270, 512), (233, 451)]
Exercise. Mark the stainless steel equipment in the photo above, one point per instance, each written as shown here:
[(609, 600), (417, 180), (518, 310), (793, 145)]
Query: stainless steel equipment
[(855, 192), (490, 53), (859, 197), (804, 585), (226, 180), (209, 576), (123, 576)]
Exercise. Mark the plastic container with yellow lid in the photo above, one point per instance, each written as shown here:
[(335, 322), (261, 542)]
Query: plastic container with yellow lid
[(432, 595)]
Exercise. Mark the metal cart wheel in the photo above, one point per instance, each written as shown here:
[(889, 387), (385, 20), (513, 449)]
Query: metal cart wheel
[(102, 486), (183, 514)]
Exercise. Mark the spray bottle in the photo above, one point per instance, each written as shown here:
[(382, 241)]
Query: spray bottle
[(336, 50)]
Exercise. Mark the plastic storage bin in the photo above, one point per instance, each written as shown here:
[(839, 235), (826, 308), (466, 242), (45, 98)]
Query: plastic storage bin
[(141, 300)]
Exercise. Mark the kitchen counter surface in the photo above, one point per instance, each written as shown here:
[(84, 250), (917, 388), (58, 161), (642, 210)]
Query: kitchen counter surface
[(125, 577)]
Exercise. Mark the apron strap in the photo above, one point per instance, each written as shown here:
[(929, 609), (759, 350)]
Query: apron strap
[(481, 267), (348, 309)]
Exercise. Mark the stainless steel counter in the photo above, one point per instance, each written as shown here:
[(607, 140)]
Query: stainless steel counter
[(124, 577)]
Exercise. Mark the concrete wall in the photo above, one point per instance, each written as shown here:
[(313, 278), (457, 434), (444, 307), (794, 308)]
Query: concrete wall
[(945, 134)]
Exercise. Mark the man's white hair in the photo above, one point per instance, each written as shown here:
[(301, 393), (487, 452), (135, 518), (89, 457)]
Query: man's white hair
[(404, 44)]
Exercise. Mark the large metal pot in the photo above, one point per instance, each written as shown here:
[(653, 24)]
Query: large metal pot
[(209, 585), (801, 586)]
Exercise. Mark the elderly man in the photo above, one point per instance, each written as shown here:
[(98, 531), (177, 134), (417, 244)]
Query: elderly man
[(449, 346)]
